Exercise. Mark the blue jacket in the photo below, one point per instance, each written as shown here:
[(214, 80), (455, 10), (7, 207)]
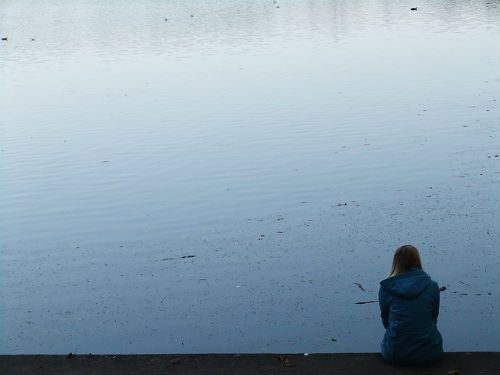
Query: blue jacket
[(409, 306)]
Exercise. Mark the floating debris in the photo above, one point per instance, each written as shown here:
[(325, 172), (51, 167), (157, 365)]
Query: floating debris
[(463, 282), (360, 286), (5, 38), (414, 9), (442, 289), (365, 302), (182, 257)]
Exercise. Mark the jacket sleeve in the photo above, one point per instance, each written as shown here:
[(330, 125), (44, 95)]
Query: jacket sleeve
[(435, 303), (384, 307)]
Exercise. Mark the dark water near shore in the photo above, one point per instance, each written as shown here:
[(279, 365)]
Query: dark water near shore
[(218, 182)]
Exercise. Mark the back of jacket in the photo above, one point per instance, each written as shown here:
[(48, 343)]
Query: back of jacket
[(409, 305)]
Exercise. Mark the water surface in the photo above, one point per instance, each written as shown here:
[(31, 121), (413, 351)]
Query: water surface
[(214, 176)]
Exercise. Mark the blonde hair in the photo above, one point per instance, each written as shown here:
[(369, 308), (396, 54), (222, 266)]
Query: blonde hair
[(405, 258)]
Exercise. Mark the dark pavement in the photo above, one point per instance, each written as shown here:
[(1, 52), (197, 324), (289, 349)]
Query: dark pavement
[(366, 364)]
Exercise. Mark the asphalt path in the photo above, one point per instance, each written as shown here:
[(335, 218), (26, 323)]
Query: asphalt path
[(335, 364)]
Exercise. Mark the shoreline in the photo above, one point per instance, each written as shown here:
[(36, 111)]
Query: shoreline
[(463, 363)]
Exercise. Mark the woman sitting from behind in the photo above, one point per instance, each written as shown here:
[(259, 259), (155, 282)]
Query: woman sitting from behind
[(409, 305)]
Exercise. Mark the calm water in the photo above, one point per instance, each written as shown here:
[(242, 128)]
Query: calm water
[(218, 181)]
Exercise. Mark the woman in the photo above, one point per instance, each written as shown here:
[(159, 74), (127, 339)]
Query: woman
[(409, 305)]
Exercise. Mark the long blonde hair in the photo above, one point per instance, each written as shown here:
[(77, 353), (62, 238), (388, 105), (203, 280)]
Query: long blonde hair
[(405, 258)]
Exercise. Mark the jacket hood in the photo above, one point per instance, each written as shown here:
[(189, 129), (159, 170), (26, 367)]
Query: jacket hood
[(407, 285)]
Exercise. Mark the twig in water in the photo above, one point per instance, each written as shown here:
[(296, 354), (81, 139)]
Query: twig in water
[(360, 286), (364, 302)]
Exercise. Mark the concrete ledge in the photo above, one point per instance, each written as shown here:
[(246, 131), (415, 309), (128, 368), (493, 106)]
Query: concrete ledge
[(335, 364)]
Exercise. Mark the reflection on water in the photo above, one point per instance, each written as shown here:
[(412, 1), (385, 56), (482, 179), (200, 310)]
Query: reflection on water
[(214, 176)]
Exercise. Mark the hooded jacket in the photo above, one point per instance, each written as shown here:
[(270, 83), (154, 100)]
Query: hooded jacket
[(409, 306)]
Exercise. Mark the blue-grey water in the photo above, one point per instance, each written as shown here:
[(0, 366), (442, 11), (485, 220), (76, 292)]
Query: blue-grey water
[(214, 176)]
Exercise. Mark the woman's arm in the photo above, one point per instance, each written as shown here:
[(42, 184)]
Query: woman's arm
[(384, 308), (435, 303)]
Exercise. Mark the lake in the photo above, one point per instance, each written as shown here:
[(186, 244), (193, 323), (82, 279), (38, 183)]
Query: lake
[(219, 176)]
